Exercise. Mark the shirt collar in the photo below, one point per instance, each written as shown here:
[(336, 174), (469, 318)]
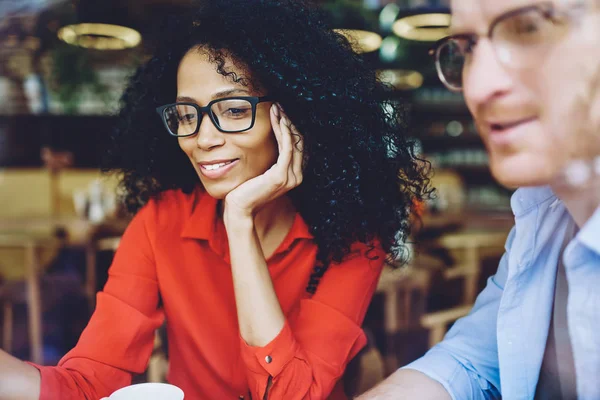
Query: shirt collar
[(589, 234), (201, 217), (203, 223), (524, 199)]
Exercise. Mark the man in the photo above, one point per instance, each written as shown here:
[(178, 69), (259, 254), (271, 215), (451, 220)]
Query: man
[(530, 75)]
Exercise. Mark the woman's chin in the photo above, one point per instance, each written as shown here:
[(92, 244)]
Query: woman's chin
[(216, 191)]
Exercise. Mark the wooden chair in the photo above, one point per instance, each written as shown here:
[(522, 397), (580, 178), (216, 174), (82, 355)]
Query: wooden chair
[(406, 290), (469, 247), (405, 294), (437, 322), (91, 253)]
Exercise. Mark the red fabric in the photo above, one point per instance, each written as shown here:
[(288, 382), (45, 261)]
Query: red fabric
[(177, 247)]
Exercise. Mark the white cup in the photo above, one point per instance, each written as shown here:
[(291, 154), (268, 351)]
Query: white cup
[(147, 391)]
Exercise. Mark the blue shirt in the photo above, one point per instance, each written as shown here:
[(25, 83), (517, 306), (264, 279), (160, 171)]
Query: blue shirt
[(497, 350)]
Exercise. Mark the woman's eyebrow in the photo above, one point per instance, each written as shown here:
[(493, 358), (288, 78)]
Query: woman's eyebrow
[(186, 99), (228, 92), (217, 95)]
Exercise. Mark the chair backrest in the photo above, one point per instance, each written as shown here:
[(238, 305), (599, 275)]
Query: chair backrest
[(468, 248), (104, 244)]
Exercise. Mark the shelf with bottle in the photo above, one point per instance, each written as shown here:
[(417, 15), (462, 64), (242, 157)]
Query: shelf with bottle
[(459, 158), (440, 101), (480, 199)]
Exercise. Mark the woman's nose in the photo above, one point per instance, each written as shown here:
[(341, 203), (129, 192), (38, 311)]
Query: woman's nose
[(208, 135)]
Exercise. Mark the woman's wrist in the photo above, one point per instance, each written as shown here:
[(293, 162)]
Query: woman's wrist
[(237, 220)]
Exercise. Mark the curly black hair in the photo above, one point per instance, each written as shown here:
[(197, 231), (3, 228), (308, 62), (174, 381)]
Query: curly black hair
[(362, 177)]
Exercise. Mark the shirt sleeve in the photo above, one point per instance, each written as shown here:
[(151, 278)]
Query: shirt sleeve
[(466, 361), (119, 338), (320, 336)]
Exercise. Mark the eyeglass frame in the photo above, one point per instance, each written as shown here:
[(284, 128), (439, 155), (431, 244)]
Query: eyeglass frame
[(253, 100), (550, 11)]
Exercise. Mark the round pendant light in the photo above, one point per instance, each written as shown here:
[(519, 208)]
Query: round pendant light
[(100, 36), (428, 27)]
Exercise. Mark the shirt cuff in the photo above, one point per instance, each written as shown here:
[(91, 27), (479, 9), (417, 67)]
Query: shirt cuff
[(440, 366), (328, 334), (48, 384), (82, 381), (325, 333), (53, 384), (272, 358)]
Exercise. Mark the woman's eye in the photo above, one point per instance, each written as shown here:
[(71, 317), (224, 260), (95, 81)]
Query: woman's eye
[(236, 112), (188, 118)]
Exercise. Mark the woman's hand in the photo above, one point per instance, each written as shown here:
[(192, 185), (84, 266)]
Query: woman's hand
[(286, 174)]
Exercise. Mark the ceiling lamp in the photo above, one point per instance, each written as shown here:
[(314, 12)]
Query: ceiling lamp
[(362, 41), (401, 79), (423, 27), (100, 36)]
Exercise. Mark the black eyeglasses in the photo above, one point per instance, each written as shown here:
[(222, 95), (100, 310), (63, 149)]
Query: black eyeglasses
[(519, 37), (229, 115)]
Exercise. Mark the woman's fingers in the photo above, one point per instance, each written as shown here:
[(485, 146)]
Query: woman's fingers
[(275, 117), (298, 156), (295, 167), (286, 151), (288, 169)]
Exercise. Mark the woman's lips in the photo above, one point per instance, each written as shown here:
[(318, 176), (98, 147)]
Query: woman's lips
[(216, 170)]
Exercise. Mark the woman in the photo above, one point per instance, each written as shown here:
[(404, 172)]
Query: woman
[(259, 240)]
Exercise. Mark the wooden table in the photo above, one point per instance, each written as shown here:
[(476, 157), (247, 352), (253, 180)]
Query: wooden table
[(79, 233)]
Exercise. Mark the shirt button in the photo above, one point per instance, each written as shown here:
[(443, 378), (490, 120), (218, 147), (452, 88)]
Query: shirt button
[(268, 359), (241, 397)]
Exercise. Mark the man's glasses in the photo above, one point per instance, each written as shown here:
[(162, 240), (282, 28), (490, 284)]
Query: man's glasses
[(520, 38), (229, 115)]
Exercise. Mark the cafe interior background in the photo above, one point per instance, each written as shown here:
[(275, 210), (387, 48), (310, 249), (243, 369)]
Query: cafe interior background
[(60, 220)]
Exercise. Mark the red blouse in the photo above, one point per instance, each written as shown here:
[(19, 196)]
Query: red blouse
[(176, 246)]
